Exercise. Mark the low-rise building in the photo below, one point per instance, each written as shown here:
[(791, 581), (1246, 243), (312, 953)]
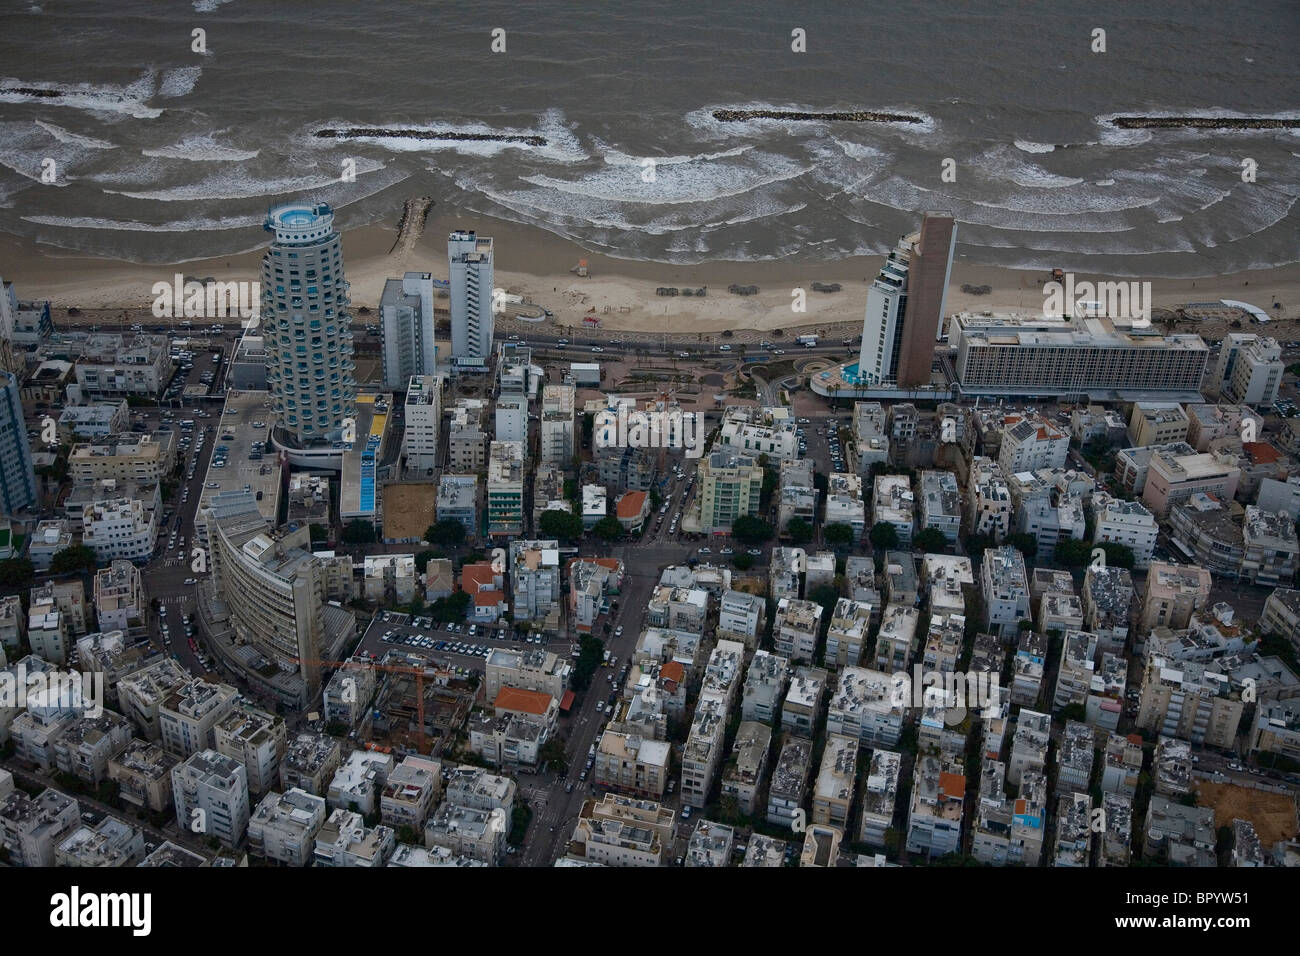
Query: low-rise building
[(284, 826), (789, 783), (935, 815), (621, 831)]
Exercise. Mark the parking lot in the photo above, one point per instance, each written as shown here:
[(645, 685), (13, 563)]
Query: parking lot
[(462, 647)]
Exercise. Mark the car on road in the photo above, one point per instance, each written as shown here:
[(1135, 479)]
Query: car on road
[(568, 787), (618, 631), (727, 550), (724, 348), (597, 348), (756, 552), (190, 581)]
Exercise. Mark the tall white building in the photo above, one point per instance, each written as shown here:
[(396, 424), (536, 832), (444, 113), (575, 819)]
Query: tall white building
[(1256, 373), (423, 422), (557, 441), (306, 323), (470, 261), (406, 317), (886, 302)]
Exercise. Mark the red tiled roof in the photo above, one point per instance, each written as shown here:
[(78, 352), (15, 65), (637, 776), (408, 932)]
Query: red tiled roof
[(630, 505), (475, 577), (525, 701), (1261, 452), (952, 785), (673, 671)]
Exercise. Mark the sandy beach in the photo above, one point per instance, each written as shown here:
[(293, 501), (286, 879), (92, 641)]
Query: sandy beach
[(537, 265)]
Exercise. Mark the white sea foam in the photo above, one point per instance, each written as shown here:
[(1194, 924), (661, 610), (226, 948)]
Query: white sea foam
[(128, 100), (202, 149), (179, 82), (242, 185), (128, 225), (74, 139), (1032, 147)]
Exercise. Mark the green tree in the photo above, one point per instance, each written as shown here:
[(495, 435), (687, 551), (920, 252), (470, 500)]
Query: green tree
[(742, 561), (799, 531), (1025, 543), (359, 531), (16, 573), (319, 532), (838, 534), (1118, 555), (930, 540), (884, 536), (78, 557), (608, 528), (751, 530), (1072, 554), (451, 609), (448, 532), (560, 523)]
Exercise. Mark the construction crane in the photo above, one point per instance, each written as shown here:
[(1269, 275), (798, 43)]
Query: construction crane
[(423, 745)]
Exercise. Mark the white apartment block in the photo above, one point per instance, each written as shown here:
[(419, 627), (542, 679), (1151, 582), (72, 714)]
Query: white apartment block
[(258, 740), (941, 503), (847, 635), (557, 425), (896, 643), (796, 628), (188, 717), (938, 796), (31, 828), (119, 596), (410, 792), (833, 789), (880, 797), (867, 706), (360, 781), (120, 528), (1030, 444), (870, 435), (703, 751), (741, 617), (423, 423), (1257, 372), (344, 840), (894, 504), (1129, 523), (283, 828), (844, 503), (990, 499), (766, 682), (756, 431), (621, 831), (1005, 588), (211, 794), (1028, 745)]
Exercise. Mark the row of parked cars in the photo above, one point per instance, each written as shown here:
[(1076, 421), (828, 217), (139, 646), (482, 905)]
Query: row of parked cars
[(433, 644)]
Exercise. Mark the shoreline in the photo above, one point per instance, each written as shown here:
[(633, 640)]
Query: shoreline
[(620, 292)]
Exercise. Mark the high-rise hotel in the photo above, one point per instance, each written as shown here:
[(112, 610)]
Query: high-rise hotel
[(469, 258), (307, 325), (905, 304)]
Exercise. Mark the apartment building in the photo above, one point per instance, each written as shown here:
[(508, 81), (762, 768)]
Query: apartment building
[(935, 815), (990, 499), (1129, 523), (360, 780), (108, 843), (1107, 601), (211, 794), (632, 763), (868, 706), (1180, 835), (1031, 443), (344, 840), (535, 670), (119, 596), (467, 442), (870, 436), (789, 783), (535, 579), (258, 740), (941, 503), (284, 826), (796, 628), (505, 489), (1028, 745), (188, 716), (143, 774), (1191, 701), (741, 617), (880, 797), (833, 789), (766, 683), (846, 638), (1173, 593), (31, 828), (895, 505), (991, 836), (130, 457), (1257, 372), (406, 316), (703, 751), (1005, 588), (730, 487), (742, 776), (410, 793), (1173, 478), (1122, 764), (754, 431), (621, 831), (423, 409), (801, 710), (1157, 423)]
